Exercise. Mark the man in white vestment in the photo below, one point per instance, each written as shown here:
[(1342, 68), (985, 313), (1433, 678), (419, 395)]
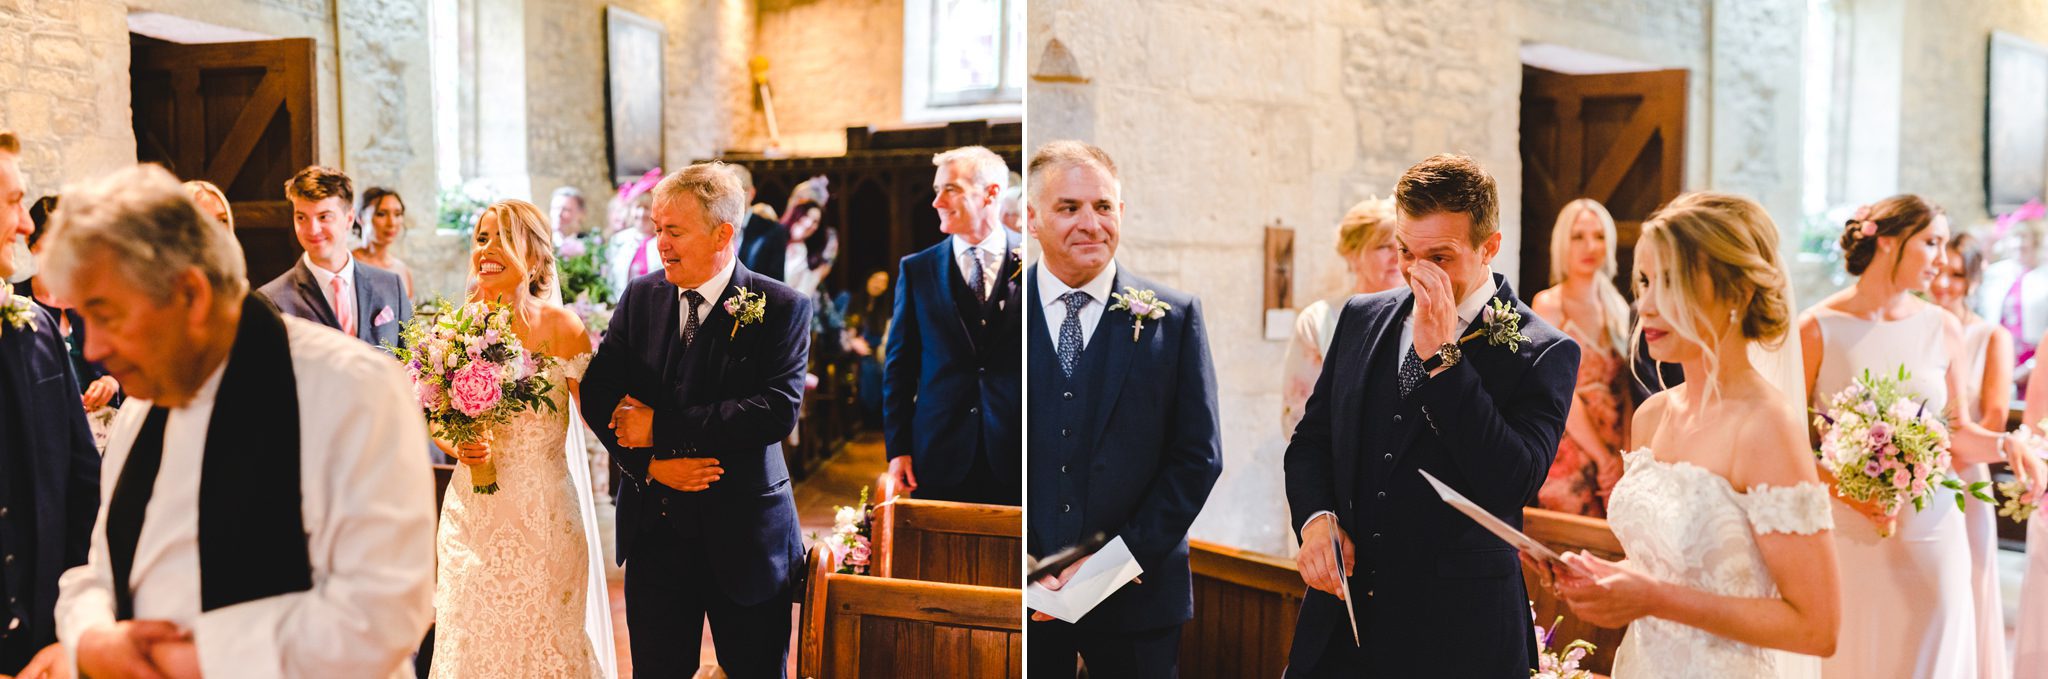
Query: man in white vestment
[(265, 511)]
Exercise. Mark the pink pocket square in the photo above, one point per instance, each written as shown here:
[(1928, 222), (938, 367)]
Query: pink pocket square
[(383, 316)]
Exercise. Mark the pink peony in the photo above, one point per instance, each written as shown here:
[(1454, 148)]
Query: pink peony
[(428, 393), (475, 388)]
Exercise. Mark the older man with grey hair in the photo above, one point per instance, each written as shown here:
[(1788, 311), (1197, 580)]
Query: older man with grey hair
[(270, 515), (952, 387), (696, 384), (49, 468)]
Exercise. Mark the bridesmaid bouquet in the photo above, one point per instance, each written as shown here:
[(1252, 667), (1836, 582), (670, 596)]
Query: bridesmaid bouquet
[(1886, 447), (470, 373)]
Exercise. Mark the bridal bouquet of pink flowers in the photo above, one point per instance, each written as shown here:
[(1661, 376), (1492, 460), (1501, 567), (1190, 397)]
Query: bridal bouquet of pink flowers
[(470, 373), (1885, 446)]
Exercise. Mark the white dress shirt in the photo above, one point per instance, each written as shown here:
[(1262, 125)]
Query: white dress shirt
[(992, 255), (1050, 289), (368, 509), (711, 289), (325, 278), (1468, 309)]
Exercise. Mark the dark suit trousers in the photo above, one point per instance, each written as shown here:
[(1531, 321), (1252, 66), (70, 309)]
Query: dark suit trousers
[(1144, 654), (671, 590), (1341, 658), (980, 485)]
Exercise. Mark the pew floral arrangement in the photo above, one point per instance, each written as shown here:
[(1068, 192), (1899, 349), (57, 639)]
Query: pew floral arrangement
[(852, 529), (1885, 446), (470, 373), (1561, 663)]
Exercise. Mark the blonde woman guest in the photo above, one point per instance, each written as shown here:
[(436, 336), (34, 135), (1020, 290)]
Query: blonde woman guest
[(1987, 388), (1731, 569), (1583, 302), (1911, 611), (384, 211), (211, 202), (1365, 239)]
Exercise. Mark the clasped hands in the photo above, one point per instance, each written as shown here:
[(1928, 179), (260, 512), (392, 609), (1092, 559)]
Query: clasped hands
[(1614, 596), (633, 423), (138, 649)]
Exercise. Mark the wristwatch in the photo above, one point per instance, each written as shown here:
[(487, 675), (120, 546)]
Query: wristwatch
[(1446, 356)]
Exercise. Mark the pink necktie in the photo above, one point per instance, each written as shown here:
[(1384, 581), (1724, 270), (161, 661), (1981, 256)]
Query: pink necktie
[(341, 308)]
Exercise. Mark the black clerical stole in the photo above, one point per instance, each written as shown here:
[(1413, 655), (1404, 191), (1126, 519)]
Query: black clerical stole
[(252, 529)]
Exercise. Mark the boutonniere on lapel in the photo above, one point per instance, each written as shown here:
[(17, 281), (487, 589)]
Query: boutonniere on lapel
[(1017, 255), (18, 312), (747, 308), (1501, 324), (1144, 305)]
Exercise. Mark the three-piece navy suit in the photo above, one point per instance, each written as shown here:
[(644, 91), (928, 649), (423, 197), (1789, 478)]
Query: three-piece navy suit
[(1435, 594), (1127, 446), (953, 382), (49, 483), (730, 553)]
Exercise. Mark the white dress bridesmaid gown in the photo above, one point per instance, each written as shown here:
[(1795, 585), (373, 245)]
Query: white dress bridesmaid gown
[(1981, 519), (1907, 606)]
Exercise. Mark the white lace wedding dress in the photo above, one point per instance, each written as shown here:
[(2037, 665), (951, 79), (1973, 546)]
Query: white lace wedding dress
[(519, 591), (1686, 525)]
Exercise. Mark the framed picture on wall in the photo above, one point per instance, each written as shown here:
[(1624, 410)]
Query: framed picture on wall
[(2016, 123), (633, 92)]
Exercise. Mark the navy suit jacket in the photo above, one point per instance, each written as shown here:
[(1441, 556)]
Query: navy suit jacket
[(731, 395), (63, 464), (764, 246), (297, 293), (1436, 595), (1153, 448), (949, 390)]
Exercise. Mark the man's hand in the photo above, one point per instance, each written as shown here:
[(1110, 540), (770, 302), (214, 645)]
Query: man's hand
[(176, 659), (1054, 583), (1436, 308), (687, 474), (123, 648), (100, 392), (899, 469), (633, 423), (49, 663), (1317, 560)]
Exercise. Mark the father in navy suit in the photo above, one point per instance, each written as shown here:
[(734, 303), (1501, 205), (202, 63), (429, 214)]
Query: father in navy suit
[(693, 401), (49, 469), (955, 371), (327, 285), (1123, 426), (1454, 376)]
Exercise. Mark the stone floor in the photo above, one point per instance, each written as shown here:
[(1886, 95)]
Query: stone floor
[(838, 482)]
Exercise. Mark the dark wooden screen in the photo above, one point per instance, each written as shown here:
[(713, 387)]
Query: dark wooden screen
[(239, 115), (1618, 138)]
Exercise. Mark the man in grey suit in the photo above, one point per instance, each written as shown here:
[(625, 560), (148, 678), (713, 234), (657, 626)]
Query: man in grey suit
[(328, 286)]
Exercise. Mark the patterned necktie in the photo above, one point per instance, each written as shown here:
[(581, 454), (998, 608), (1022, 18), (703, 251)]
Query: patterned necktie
[(1070, 331), (691, 299), (342, 318), (1412, 373), (976, 276)]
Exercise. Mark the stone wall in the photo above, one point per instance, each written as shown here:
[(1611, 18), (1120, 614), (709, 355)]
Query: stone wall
[(1226, 117), (820, 87), (64, 88), (1942, 110)]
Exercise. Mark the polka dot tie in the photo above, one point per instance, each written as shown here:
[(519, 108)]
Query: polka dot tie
[(1412, 373), (1070, 331)]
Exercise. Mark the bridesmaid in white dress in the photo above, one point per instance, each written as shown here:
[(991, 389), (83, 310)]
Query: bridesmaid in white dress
[(1731, 572), (2030, 648), (1908, 608), (1987, 389), (514, 575)]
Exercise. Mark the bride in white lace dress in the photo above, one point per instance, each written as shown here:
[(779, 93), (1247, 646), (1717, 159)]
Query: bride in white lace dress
[(1730, 569), (514, 590)]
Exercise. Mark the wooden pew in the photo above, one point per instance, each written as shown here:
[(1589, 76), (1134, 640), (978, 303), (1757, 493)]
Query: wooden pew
[(956, 542), (1245, 609), (1246, 603), (1568, 533), (855, 626)]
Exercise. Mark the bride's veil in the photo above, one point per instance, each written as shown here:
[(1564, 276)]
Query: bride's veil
[(1784, 365), (597, 604)]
